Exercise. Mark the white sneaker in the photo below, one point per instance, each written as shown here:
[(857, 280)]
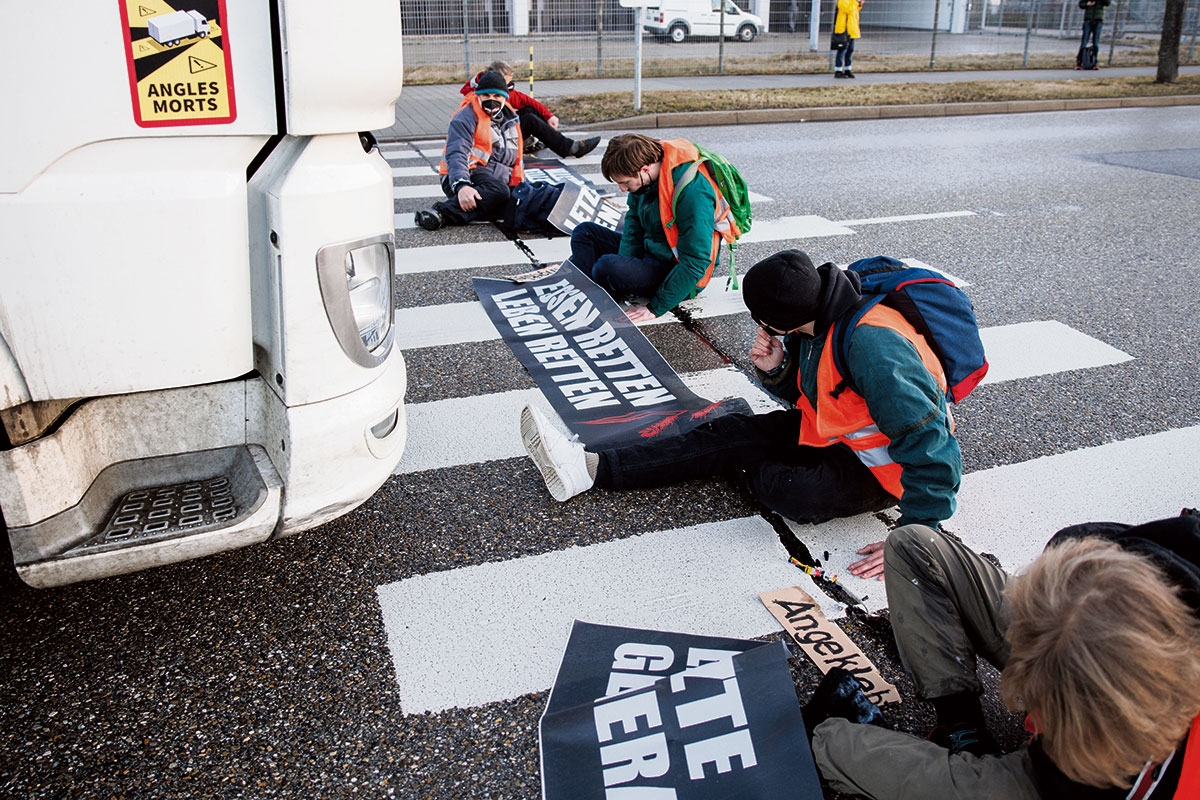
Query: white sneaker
[(561, 461)]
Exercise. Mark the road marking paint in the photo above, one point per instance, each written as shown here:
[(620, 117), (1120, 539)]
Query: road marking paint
[(501, 636), (414, 260), (1026, 349), (423, 171), (805, 227), (470, 430), (907, 218)]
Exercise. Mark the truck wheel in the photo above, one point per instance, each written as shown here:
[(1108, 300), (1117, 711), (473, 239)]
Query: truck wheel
[(204, 35), (747, 33), (678, 33)]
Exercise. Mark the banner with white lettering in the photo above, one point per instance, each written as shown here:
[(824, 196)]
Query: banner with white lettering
[(579, 204), (650, 715), (599, 372)]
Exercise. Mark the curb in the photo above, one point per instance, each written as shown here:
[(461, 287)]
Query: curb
[(685, 119)]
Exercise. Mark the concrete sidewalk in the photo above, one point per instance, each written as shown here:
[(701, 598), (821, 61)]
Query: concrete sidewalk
[(423, 112)]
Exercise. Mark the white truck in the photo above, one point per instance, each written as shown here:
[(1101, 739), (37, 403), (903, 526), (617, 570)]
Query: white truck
[(171, 29), (196, 268), (679, 19)]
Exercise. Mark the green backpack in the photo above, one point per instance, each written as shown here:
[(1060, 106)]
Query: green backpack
[(731, 186)]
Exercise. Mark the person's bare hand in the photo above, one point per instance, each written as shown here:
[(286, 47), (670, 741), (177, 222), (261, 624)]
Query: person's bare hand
[(872, 565), (468, 196), (639, 314), (766, 352), (553, 121)]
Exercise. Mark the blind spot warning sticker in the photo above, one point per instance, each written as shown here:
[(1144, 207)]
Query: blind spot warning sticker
[(178, 58)]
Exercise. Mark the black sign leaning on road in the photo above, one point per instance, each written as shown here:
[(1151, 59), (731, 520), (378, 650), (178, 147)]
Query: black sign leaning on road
[(580, 200), (601, 375), (673, 716)]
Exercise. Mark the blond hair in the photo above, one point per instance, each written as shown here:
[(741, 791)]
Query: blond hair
[(627, 153), (1106, 656)]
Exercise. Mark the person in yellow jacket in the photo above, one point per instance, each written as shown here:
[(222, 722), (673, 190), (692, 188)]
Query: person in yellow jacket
[(846, 22)]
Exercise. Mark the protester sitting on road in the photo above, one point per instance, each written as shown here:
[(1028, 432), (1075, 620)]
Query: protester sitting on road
[(1098, 642), (537, 121), (836, 453), (661, 264), (481, 160)]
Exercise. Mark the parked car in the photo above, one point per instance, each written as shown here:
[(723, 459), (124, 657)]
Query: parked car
[(679, 19)]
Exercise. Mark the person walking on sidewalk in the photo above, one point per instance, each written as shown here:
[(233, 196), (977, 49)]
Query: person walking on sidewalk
[(1093, 21), (846, 21), (669, 244), (537, 121), (1098, 642), (835, 453)]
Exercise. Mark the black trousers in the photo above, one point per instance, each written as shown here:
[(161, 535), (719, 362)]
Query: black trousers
[(533, 125), (760, 452), (492, 202)]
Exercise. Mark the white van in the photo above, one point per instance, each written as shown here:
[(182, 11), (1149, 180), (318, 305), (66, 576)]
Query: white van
[(679, 19)]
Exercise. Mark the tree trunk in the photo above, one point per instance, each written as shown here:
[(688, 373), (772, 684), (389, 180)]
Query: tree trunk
[(1168, 48)]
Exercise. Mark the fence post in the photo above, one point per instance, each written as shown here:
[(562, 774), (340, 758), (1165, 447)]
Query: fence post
[(721, 40), (1112, 33), (600, 39), (466, 42), (937, 5), (1028, 33)]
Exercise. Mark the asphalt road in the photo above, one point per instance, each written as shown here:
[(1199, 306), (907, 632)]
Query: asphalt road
[(289, 669)]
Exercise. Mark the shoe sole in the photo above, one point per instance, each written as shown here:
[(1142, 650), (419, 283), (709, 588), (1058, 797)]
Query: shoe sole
[(531, 437)]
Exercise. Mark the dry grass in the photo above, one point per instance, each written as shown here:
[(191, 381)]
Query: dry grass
[(583, 109)]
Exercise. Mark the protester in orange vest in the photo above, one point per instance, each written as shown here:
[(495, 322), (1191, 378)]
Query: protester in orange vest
[(835, 453), (481, 160), (537, 121), (666, 251), (1098, 642)]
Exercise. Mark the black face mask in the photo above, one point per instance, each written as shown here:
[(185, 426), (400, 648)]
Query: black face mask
[(493, 108), (645, 187)]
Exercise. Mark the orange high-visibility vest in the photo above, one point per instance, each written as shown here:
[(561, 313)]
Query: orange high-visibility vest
[(481, 147), (845, 418), (681, 151)]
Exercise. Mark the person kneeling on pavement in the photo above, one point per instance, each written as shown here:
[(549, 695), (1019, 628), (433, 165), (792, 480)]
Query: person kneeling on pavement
[(669, 244), (481, 161), (1098, 642), (538, 123), (835, 453)]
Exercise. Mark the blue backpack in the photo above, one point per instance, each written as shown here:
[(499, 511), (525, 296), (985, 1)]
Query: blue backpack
[(932, 304)]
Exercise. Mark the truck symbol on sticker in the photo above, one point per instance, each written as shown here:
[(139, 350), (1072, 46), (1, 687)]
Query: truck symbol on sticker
[(170, 29)]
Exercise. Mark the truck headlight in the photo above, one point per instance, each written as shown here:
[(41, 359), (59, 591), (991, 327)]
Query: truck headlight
[(356, 287)]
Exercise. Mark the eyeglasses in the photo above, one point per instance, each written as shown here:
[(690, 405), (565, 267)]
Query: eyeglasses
[(769, 329), (511, 85)]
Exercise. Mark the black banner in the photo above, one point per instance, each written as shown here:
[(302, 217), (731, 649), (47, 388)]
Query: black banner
[(580, 200), (601, 375), (672, 716)]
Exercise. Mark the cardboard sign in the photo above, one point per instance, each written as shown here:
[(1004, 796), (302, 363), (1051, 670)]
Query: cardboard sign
[(649, 714), (599, 372), (579, 204), (824, 642)]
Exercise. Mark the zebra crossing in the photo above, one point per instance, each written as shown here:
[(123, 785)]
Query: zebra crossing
[(502, 638)]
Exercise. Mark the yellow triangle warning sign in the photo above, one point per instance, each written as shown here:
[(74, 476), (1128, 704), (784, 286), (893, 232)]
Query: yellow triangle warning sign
[(199, 64), (146, 12)]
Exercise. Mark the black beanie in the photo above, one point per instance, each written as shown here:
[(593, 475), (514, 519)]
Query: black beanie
[(783, 290), (492, 83)]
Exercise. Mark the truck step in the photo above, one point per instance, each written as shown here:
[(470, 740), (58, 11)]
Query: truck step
[(152, 511)]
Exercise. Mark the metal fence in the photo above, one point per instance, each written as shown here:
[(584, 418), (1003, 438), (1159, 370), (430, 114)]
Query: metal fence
[(595, 38)]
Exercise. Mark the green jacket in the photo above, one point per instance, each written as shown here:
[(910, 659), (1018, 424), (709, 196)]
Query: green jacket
[(906, 403), (1093, 9), (643, 236)]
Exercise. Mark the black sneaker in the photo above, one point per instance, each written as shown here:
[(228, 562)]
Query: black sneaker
[(850, 74), (965, 738), (429, 220), (840, 74), (582, 148)]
